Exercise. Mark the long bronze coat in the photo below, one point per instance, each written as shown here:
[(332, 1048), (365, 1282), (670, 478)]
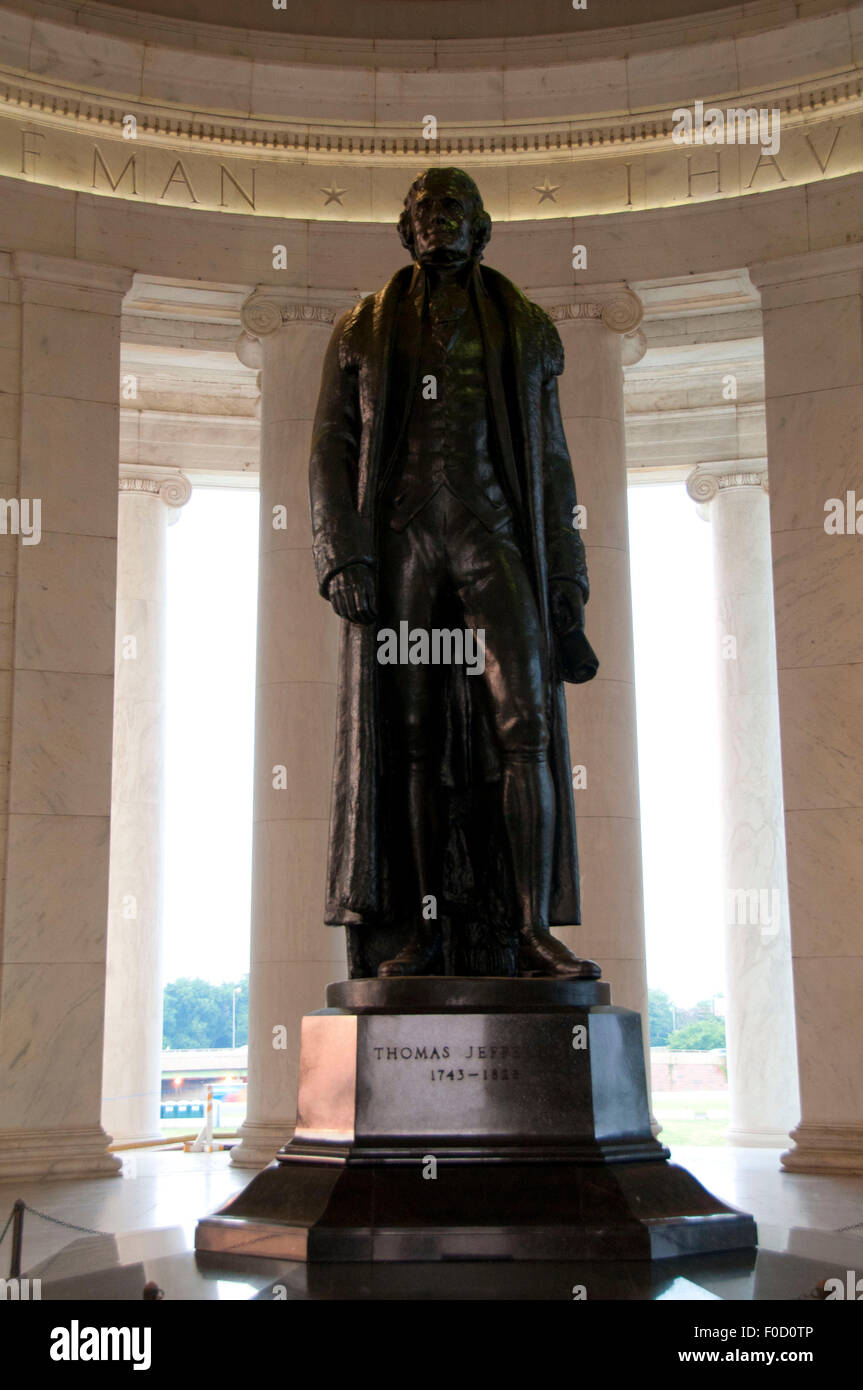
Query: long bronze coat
[(355, 433)]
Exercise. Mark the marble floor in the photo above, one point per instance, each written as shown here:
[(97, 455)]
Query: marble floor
[(146, 1221)]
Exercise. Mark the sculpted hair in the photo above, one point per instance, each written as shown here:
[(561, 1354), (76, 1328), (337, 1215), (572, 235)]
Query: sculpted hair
[(468, 189)]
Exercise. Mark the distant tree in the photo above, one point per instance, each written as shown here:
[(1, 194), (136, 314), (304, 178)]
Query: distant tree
[(659, 1017), (702, 1036), (703, 1009), (198, 1013), (224, 998)]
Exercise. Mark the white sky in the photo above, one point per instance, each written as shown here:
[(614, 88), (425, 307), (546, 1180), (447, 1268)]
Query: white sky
[(212, 579), (675, 681), (212, 592)]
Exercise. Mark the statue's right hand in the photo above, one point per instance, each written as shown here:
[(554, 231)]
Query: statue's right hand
[(352, 594)]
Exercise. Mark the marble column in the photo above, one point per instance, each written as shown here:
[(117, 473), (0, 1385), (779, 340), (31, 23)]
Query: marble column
[(133, 1004), (812, 309), (761, 1044), (293, 955), (58, 655), (597, 324)]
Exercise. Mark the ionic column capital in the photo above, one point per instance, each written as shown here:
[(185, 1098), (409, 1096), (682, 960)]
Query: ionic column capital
[(705, 482), (168, 484), (617, 306), (269, 309)]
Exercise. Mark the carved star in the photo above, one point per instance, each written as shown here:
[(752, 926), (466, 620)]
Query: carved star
[(334, 195), (546, 190)]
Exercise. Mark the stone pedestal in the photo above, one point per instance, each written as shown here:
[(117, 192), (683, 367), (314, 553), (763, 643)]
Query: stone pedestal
[(445, 1118)]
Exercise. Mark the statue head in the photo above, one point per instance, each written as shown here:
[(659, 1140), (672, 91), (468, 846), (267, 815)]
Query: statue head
[(444, 222)]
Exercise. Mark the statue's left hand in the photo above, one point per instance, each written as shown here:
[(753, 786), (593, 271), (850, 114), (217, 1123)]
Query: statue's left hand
[(352, 594), (567, 606)]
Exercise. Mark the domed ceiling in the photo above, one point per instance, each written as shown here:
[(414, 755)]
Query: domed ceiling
[(424, 19)]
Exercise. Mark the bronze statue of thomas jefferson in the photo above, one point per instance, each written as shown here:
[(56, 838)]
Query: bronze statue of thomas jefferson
[(443, 501)]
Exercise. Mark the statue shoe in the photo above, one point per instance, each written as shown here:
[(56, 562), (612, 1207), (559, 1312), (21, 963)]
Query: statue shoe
[(418, 957), (541, 954)]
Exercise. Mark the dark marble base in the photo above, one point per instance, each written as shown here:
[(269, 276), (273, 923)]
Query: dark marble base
[(442, 994), (506, 1211), (460, 1120)]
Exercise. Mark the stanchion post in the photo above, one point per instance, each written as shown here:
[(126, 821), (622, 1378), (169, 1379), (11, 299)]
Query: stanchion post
[(17, 1239)]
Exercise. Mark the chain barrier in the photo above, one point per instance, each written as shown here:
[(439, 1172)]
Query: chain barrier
[(57, 1221), (16, 1221)]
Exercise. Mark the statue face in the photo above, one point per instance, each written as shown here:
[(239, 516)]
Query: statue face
[(442, 227)]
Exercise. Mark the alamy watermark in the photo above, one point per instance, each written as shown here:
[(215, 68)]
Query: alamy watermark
[(437, 646), (754, 907), (21, 517), (844, 515), (735, 125)]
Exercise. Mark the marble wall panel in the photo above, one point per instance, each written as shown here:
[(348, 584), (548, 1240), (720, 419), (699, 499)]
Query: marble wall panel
[(61, 758), (9, 411), (281, 994), (63, 354), (592, 442), (608, 608), (9, 479), (168, 241), (15, 33), (65, 604), (454, 98), (775, 57), (291, 867), (85, 58), (225, 248), (303, 645), (698, 238), (40, 218), (532, 93), (855, 24), (600, 716), (297, 400), (815, 347), (586, 377), (825, 881), (684, 75), (200, 80), (822, 755), (67, 459), (56, 1008), (316, 93), (612, 898), (801, 425), (295, 729), (363, 258), (830, 1039), (57, 868), (286, 484), (818, 580)]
